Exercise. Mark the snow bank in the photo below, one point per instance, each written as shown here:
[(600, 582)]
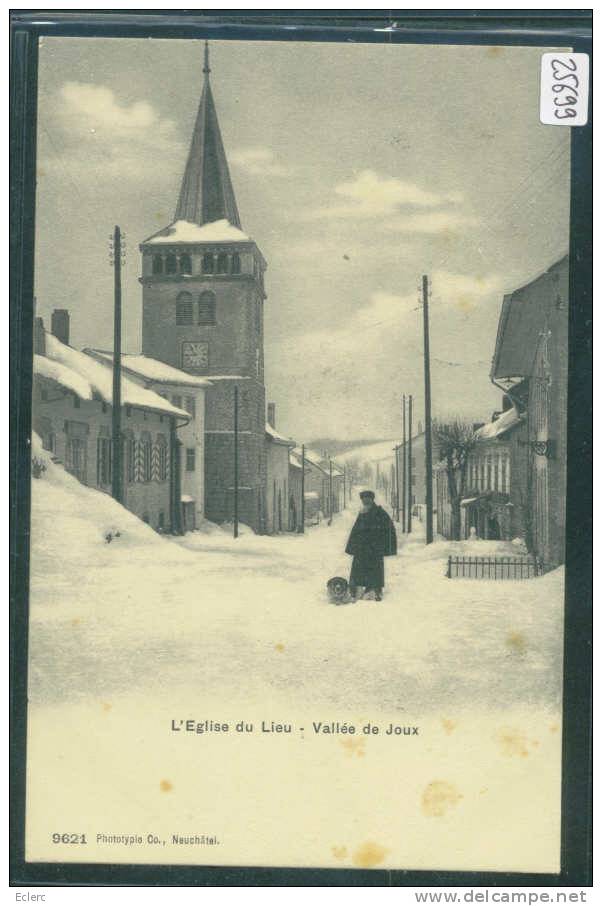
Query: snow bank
[(184, 231), (507, 420)]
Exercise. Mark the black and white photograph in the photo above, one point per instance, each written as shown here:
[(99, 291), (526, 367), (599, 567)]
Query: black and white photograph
[(298, 455)]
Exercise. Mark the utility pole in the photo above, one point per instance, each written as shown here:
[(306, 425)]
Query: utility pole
[(116, 255), (236, 460), (428, 440), (396, 449), (330, 491), (404, 469), (410, 400), (302, 528)]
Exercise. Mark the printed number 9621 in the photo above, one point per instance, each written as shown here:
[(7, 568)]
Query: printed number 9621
[(69, 838)]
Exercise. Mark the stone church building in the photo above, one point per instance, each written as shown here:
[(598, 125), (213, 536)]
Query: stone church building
[(202, 312)]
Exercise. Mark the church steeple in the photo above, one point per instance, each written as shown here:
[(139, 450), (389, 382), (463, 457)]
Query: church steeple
[(206, 194)]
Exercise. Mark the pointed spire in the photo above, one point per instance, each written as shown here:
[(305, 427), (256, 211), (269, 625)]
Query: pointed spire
[(206, 194)]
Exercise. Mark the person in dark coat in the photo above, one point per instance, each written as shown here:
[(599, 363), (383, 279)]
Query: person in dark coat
[(372, 539)]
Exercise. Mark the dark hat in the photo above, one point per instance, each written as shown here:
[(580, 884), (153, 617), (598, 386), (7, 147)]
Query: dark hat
[(366, 495)]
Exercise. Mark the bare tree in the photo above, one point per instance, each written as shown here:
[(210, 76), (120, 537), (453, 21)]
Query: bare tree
[(456, 440)]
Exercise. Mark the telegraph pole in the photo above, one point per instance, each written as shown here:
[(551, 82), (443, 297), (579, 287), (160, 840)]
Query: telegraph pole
[(236, 461), (410, 400), (403, 466), (396, 449), (117, 251), (302, 528), (428, 440)]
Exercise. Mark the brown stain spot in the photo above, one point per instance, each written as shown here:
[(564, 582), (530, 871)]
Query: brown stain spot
[(369, 854), (279, 647), (494, 51), (466, 303), (166, 786), (438, 798), (106, 706), (75, 621), (449, 725), (554, 728), (483, 790), (339, 852), (354, 746), (517, 643), (515, 744)]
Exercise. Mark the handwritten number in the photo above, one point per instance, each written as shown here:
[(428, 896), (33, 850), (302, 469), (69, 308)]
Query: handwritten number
[(567, 114)]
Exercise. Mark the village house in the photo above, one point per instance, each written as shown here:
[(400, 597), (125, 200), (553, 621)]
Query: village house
[(184, 391), (487, 506), (324, 482), (203, 313), (516, 479), (281, 515), (72, 414), (530, 367)]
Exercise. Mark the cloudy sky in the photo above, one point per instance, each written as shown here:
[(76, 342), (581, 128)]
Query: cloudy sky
[(357, 168)]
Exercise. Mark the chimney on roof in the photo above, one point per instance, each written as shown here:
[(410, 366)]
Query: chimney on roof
[(39, 337), (60, 325), (272, 415)]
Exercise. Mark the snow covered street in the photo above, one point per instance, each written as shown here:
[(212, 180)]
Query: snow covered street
[(206, 609), (129, 634)]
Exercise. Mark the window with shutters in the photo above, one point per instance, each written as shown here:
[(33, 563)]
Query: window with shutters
[(222, 263), (161, 458), (131, 460), (171, 264), (208, 264), (190, 459), (103, 462), (235, 263), (157, 264), (185, 264), (76, 455), (207, 308), (147, 459), (184, 309)]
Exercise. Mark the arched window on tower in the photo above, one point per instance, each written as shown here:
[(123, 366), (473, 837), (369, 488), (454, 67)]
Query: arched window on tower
[(157, 264), (184, 309), (171, 264), (235, 263), (207, 308), (222, 263), (185, 264), (208, 263)]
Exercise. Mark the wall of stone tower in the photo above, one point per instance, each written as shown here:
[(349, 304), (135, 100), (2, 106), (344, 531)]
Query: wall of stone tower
[(234, 347), (235, 342), (219, 453)]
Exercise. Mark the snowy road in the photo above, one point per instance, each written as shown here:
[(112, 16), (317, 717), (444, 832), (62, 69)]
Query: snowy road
[(127, 636), (206, 611)]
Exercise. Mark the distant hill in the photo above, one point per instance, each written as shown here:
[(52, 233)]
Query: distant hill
[(336, 448)]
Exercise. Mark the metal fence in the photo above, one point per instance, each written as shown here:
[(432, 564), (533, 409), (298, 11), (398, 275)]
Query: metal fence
[(493, 568)]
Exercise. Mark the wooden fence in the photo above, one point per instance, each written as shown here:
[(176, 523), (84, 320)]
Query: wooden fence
[(493, 568)]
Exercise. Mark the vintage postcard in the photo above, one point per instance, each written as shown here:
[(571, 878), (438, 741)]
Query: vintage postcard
[(298, 455)]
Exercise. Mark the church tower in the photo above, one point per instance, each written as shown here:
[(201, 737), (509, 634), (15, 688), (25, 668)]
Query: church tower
[(202, 312)]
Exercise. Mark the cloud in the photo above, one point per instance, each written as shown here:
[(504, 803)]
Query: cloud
[(372, 196), (462, 291), (432, 222), (92, 132), (257, 161)]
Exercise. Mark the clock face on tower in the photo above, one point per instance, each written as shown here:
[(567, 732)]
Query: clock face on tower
[(195, 355)]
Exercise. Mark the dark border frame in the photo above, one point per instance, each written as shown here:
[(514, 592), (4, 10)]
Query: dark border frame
[(513, 27)]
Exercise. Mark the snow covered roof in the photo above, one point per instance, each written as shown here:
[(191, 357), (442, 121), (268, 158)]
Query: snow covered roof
[(185, 231), (151, 369), (87, 378), (505, 422), (278, 438)]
